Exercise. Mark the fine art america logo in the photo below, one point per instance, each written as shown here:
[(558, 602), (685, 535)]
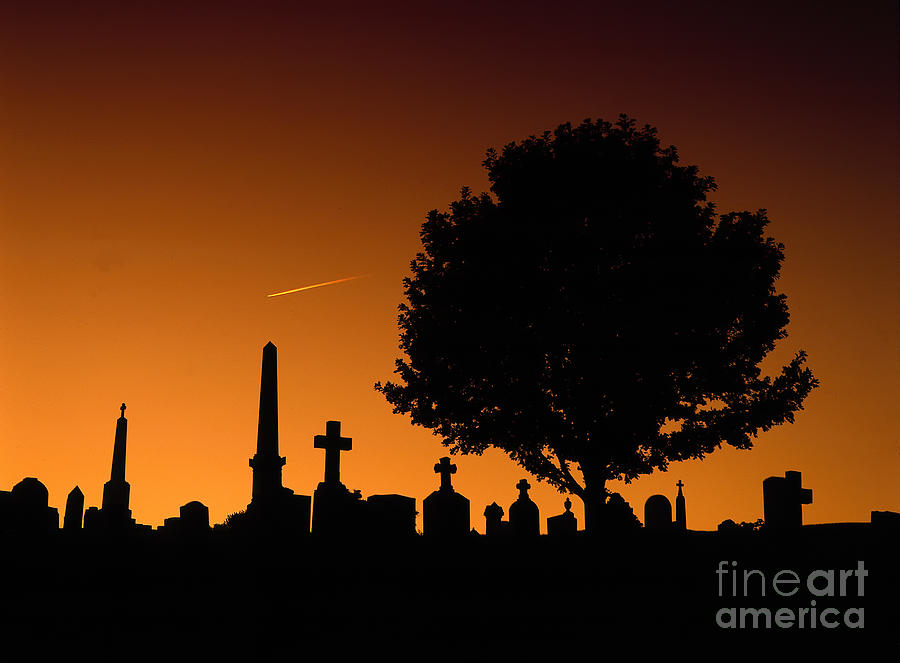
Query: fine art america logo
[(820, 585)]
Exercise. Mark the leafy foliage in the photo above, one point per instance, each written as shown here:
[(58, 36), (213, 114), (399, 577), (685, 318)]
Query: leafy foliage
[(618, 514), (236, 520), (743, 527)]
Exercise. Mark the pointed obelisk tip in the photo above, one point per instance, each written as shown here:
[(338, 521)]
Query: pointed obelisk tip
[(269, 345), (75, 491)]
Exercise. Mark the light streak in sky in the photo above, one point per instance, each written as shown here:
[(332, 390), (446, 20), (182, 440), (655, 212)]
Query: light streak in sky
[(317, 285)]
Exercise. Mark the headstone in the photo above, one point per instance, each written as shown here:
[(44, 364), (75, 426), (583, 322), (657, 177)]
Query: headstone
[(783, 498), (886, 519), (333, 444), (392, 516), (6, 511), (524, 515), (658, 513), (563, 525), (493, 520), (680, 513), (31, 512), (74, 510), (93, 521), (445, 513), (192, 521), (336, 511), (194, 516)]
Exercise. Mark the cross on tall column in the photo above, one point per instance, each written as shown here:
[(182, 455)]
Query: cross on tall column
[(523, 487), (333, 444), (445, 468), (680, 484)]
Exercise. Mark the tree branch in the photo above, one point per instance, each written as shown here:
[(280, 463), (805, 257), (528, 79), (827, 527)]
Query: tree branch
[(571, 483)]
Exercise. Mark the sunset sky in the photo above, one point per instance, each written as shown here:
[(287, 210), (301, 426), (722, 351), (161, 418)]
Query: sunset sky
[(163, 168)]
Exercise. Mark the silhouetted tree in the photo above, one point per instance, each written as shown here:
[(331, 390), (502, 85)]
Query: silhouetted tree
[(595, 316), (743, 527), (236, 520)]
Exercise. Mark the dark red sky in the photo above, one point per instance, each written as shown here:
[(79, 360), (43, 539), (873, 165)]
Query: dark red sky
[(163, 168)]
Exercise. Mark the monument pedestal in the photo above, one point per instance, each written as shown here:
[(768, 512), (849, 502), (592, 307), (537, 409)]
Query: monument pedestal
[(336, 511)]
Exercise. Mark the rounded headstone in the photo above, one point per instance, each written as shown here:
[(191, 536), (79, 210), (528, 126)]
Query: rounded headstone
[(524, 517), (194, 514), (658, 513), (29, 491)]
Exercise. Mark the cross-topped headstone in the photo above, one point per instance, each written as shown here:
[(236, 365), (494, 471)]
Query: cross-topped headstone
[(445, 468), (122, 408), (524, 515), (523, 487), (445, 513), (333, 444), (680, 512)]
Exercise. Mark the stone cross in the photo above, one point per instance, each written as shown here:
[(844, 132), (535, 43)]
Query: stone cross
[(680, 485), (523, 487), (333, 444), (445, 469)]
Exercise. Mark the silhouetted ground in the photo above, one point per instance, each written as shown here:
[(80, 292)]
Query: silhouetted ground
[(246, 598)]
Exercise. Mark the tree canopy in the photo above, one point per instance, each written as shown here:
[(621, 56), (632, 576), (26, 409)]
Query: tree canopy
[(593, 316)]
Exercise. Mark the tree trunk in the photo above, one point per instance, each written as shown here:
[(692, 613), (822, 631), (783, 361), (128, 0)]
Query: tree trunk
[(594, 500)]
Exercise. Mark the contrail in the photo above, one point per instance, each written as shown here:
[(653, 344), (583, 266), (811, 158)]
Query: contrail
[(317, 285)]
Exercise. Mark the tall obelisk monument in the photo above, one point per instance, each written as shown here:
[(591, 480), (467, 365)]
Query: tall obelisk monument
[(116, 491), (266, 462)]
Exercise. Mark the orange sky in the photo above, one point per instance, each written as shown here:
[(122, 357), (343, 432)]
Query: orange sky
[(163, 170)]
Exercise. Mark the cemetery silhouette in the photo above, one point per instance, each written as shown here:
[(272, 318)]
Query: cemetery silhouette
[(352, 573)]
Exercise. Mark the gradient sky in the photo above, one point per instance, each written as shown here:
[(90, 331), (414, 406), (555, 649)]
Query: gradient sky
[(163, 169)]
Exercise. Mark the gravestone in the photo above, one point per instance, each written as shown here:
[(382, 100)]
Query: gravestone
[(658, 513), (93, 520), (885, 519), (336, 511), (333, 444), (445, 513), (6, 512), (563, 525), (192, 521), (74, 510), (493, 520), (680, 513), (392, 516), (194, 516), (783, 498), (30, 509), (524, 515)]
